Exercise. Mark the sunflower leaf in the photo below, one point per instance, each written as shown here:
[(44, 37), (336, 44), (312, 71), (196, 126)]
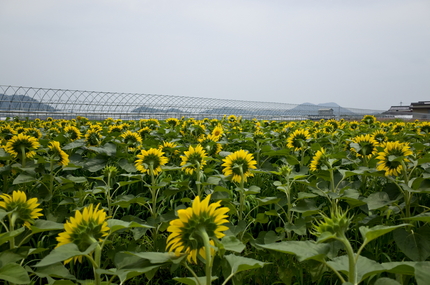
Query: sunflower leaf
[(193, 281), (64, 252), (14, 273), (4, 237), (116, 225)]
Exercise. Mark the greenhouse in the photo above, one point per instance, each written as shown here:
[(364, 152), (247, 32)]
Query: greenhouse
[(30, 102)]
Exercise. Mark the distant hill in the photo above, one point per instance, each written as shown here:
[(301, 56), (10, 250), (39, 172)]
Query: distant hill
[(312, 109), (23, 103), (146, 109)]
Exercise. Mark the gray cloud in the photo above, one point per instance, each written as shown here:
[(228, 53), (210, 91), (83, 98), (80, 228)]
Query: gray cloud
[(363, 54)]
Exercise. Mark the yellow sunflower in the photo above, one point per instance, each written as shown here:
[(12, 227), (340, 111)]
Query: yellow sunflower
[(22, 144), (238, 165), (390, 160), (368, 119), (189, 230), (317, 160), (58, 153), (23, 209), (132, 140), (84, 229), (93, 137), (194, 159), (73, 133), (218, 131), (298, 140), (150, 158), (173, 122), (366, 145)]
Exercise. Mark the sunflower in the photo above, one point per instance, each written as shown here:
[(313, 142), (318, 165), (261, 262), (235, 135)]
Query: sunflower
[(390, 160), (132, 140), (116, 128), (298, 139), (210, 145), (186, 231), (33, 132), (172, 122), (169, 148), (354, 125), (20, 144), (73, 133), (93, 137), (380, 136), (218, 131), (424, 128), (366, 145), (317, 160), (194, 159), (7, 132), (56, 151), (26, 210), (143, 132), (84, 229), (150, 158), (368, 119), (239, 164)]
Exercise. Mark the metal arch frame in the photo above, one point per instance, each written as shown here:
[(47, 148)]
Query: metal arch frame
[(103, 104)]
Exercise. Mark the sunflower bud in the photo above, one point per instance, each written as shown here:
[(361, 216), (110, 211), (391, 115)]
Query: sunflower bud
[(334, 226)]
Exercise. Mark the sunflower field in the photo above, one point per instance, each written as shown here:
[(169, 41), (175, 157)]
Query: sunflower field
[(228, 201)]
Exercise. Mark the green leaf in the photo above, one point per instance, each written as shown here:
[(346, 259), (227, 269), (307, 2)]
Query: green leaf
[(239, 263), (365, 267), (425, 217), (404, 267), (386, 281), (4, 155), (116, 225), (262, 218), (422, 273), (44, 225), (378, 200), (23, 178), (95, 164), (108, 149), (5, 237), (307, 207), (126, 165), (64, 252), (268, 200), (57, 270), (156, 257), (370, 234), (126, 274), (233, 244), (75, 144), (304, 250), (14, 273), (193, 281), (415, 244), (252, 190), (126, 200)]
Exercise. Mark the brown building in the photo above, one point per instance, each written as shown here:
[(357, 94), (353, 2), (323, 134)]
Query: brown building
[(420, 110)]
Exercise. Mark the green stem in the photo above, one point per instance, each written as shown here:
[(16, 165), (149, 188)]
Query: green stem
[(352, 276), (198, 173), (208, 260), (23, 157), (153, 192), (407, 195), (242, 193), (97, 259), (12, 228), (192, 273)]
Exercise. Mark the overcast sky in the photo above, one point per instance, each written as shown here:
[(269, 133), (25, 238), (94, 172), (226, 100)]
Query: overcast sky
[(368, 54)]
